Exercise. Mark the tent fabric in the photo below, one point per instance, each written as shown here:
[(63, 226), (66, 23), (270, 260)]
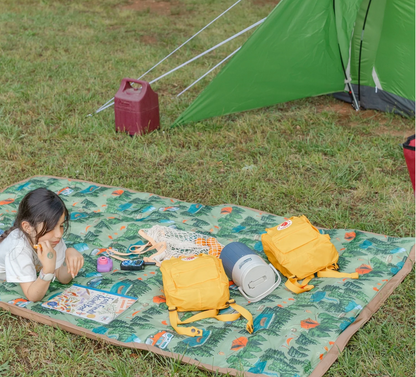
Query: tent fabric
[(384, 77), (345, 15), (380, 100), (268, 70), (307, 48), (388, 47)]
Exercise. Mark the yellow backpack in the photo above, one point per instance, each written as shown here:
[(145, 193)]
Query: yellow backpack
[(198, 283), (298, 251)]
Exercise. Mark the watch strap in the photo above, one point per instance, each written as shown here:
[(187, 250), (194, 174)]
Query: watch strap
[(46, 277)]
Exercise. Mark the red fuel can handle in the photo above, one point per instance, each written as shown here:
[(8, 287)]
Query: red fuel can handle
[(136, 108)]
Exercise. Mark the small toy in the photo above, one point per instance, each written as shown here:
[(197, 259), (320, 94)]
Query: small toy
[(135, 265), (104, 264)]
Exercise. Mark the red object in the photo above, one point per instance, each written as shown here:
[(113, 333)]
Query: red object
[(409, 155), (136, 108)]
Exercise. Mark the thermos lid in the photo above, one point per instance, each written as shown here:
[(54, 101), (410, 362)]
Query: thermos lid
[(231, 253)]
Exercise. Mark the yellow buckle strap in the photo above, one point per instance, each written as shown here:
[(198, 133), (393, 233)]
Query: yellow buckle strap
[(246, 314), (212, 313), (293, 285), (189, 331), (328, 273)]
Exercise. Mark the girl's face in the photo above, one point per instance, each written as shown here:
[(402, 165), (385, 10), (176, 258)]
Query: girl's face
[(55, 235)]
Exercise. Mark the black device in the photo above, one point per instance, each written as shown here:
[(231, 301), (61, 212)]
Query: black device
[(135, 265)]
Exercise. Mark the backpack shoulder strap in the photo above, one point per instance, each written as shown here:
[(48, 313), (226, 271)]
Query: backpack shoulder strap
[(330, 273), (174, 321), (212, 313), (245, 313), (293, 285), (193, 331)]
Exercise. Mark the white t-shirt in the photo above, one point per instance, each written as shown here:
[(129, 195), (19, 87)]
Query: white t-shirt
[(19, 263)]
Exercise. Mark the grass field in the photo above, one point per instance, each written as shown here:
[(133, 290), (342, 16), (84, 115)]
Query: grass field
[(60, 60)]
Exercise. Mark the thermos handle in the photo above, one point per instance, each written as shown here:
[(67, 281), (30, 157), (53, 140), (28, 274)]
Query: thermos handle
[(126, 82), (264, 294)]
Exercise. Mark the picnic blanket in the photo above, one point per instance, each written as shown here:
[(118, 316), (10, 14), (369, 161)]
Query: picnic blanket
[(294, 335)]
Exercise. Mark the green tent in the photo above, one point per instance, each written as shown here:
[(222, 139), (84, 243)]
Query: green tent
[(362, 51)]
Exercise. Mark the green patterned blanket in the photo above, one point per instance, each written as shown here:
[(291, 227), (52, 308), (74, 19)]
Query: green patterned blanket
[(294, 335)]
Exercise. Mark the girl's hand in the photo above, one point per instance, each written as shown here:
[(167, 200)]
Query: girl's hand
[(47, 256), (74, 261)]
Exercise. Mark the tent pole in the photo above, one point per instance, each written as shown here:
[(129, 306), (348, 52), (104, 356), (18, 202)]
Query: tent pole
[(209, 50), (206, 73), (107, 104), (111, 102), (352, 94)]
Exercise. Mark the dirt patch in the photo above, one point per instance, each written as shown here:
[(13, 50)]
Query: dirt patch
[(148, 39), (389, 125), (152, 6), (383, 130), (341, 108)]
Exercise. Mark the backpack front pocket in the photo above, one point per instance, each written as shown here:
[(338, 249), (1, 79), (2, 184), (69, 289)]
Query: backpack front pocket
[(292, 240), (195, 272)]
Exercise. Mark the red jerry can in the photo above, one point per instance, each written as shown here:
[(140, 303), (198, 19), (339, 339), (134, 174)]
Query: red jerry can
[(409, 155), (136, 108)]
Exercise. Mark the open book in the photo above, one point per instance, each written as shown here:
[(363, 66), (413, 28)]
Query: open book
[(91, 303)]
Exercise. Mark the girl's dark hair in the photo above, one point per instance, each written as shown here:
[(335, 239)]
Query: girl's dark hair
[(40, 206)]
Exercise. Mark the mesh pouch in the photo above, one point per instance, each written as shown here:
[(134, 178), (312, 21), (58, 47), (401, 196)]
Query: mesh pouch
[(174, 243)]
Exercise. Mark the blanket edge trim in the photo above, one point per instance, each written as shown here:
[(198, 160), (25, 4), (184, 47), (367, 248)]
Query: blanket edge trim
[(365, 315)]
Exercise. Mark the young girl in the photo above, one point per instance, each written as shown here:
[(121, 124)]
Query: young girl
[(34, 245)]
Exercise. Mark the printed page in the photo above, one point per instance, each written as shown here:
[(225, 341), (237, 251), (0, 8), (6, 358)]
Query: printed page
[(86, 302)]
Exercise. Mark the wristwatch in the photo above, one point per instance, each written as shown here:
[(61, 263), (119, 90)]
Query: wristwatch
[(46, 277)]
